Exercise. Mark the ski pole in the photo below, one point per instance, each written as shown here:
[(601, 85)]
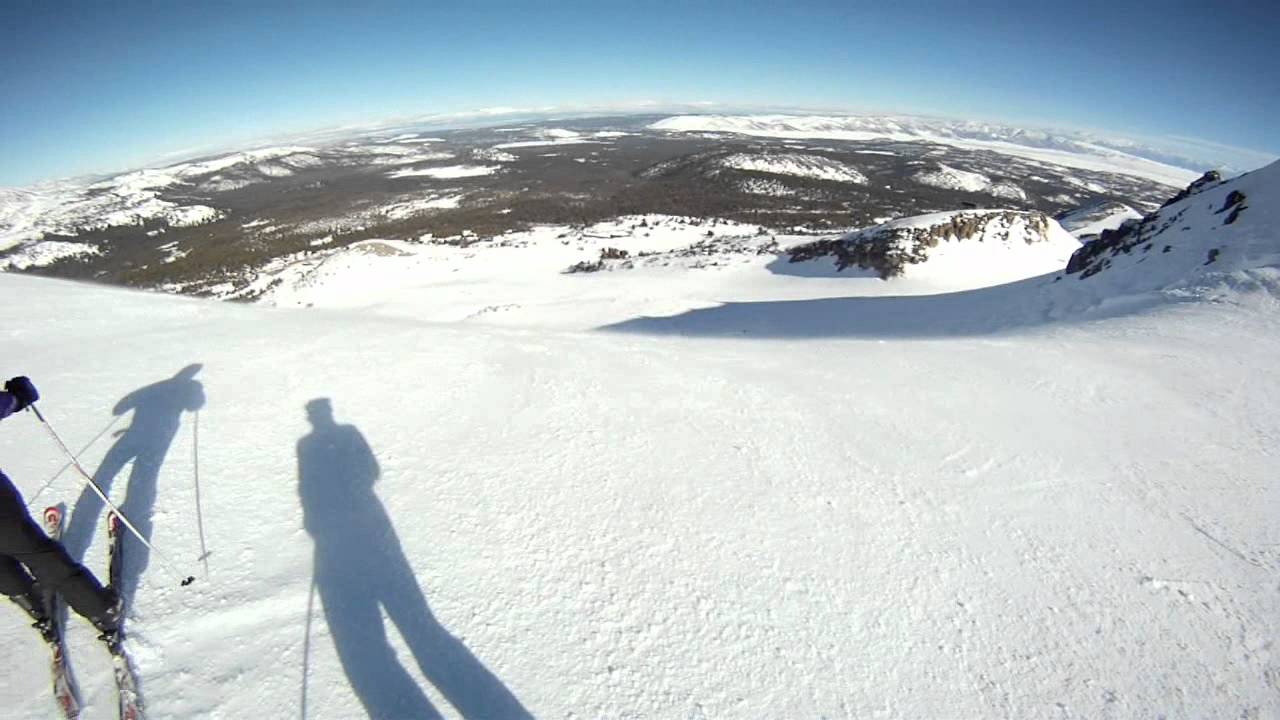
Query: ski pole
[(31, 502), (186, 580), (306, 645), (195, 460)]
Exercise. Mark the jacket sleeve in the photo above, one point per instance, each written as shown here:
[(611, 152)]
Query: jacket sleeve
[(8, 403)]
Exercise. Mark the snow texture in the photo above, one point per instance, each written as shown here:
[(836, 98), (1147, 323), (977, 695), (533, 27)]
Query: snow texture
[(756, 495)]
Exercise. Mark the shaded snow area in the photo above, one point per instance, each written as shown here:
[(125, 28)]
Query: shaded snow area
[(447, 172), (832, 506), (796, 164), (1087, 222), (1078, 152)]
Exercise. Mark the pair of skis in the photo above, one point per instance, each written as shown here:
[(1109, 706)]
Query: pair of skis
[(64, 687)]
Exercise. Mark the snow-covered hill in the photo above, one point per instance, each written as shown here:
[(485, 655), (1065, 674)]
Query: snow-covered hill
[(1220, 232), (953, 250), (949, 178), (70, 208), (796, 164)]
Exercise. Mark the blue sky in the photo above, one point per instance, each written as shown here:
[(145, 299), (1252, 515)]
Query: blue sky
[(97, 86)]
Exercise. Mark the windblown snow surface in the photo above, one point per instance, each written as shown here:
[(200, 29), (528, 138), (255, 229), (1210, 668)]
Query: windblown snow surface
[(1052, 498)]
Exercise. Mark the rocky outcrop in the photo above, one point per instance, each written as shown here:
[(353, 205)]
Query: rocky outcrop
[(1142, 235), (888, 249), (1206, 181)]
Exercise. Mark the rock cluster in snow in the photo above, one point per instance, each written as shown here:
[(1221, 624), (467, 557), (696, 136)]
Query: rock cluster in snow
[(1204, 182), (888, 249), (1163, 226)]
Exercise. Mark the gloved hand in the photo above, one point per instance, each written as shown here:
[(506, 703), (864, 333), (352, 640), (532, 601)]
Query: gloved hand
[(22, 390)]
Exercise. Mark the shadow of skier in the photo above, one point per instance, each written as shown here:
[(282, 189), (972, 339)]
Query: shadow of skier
[(157, 415), (361, 571)]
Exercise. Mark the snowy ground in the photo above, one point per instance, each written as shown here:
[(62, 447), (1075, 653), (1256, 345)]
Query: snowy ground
[(1068, 519)]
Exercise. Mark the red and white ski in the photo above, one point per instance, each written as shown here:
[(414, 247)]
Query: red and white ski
[(126, 678), (64, 687)]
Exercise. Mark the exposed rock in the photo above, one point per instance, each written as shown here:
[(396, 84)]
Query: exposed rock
[(889, 249), (1093, 257), (1234, 198), (606, 254), (1234, 203), (1207, 180)]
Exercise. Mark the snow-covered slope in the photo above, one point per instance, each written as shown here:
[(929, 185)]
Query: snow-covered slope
[(1072, 519), (1217, 241), (953, 179), (1037, 145), (949, 178), (1220, 232), (796, 164)]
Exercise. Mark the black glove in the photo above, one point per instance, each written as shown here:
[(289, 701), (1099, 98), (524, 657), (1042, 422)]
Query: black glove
[(22, 390)]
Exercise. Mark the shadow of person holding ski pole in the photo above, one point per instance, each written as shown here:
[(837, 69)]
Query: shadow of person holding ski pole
[(157, 415), (361, 570)]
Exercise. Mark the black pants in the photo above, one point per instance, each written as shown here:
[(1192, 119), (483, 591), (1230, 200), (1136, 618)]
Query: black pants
[(28, 556)]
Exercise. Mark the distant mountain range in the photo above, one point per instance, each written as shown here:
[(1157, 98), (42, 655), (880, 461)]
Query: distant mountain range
[(217, 225)]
